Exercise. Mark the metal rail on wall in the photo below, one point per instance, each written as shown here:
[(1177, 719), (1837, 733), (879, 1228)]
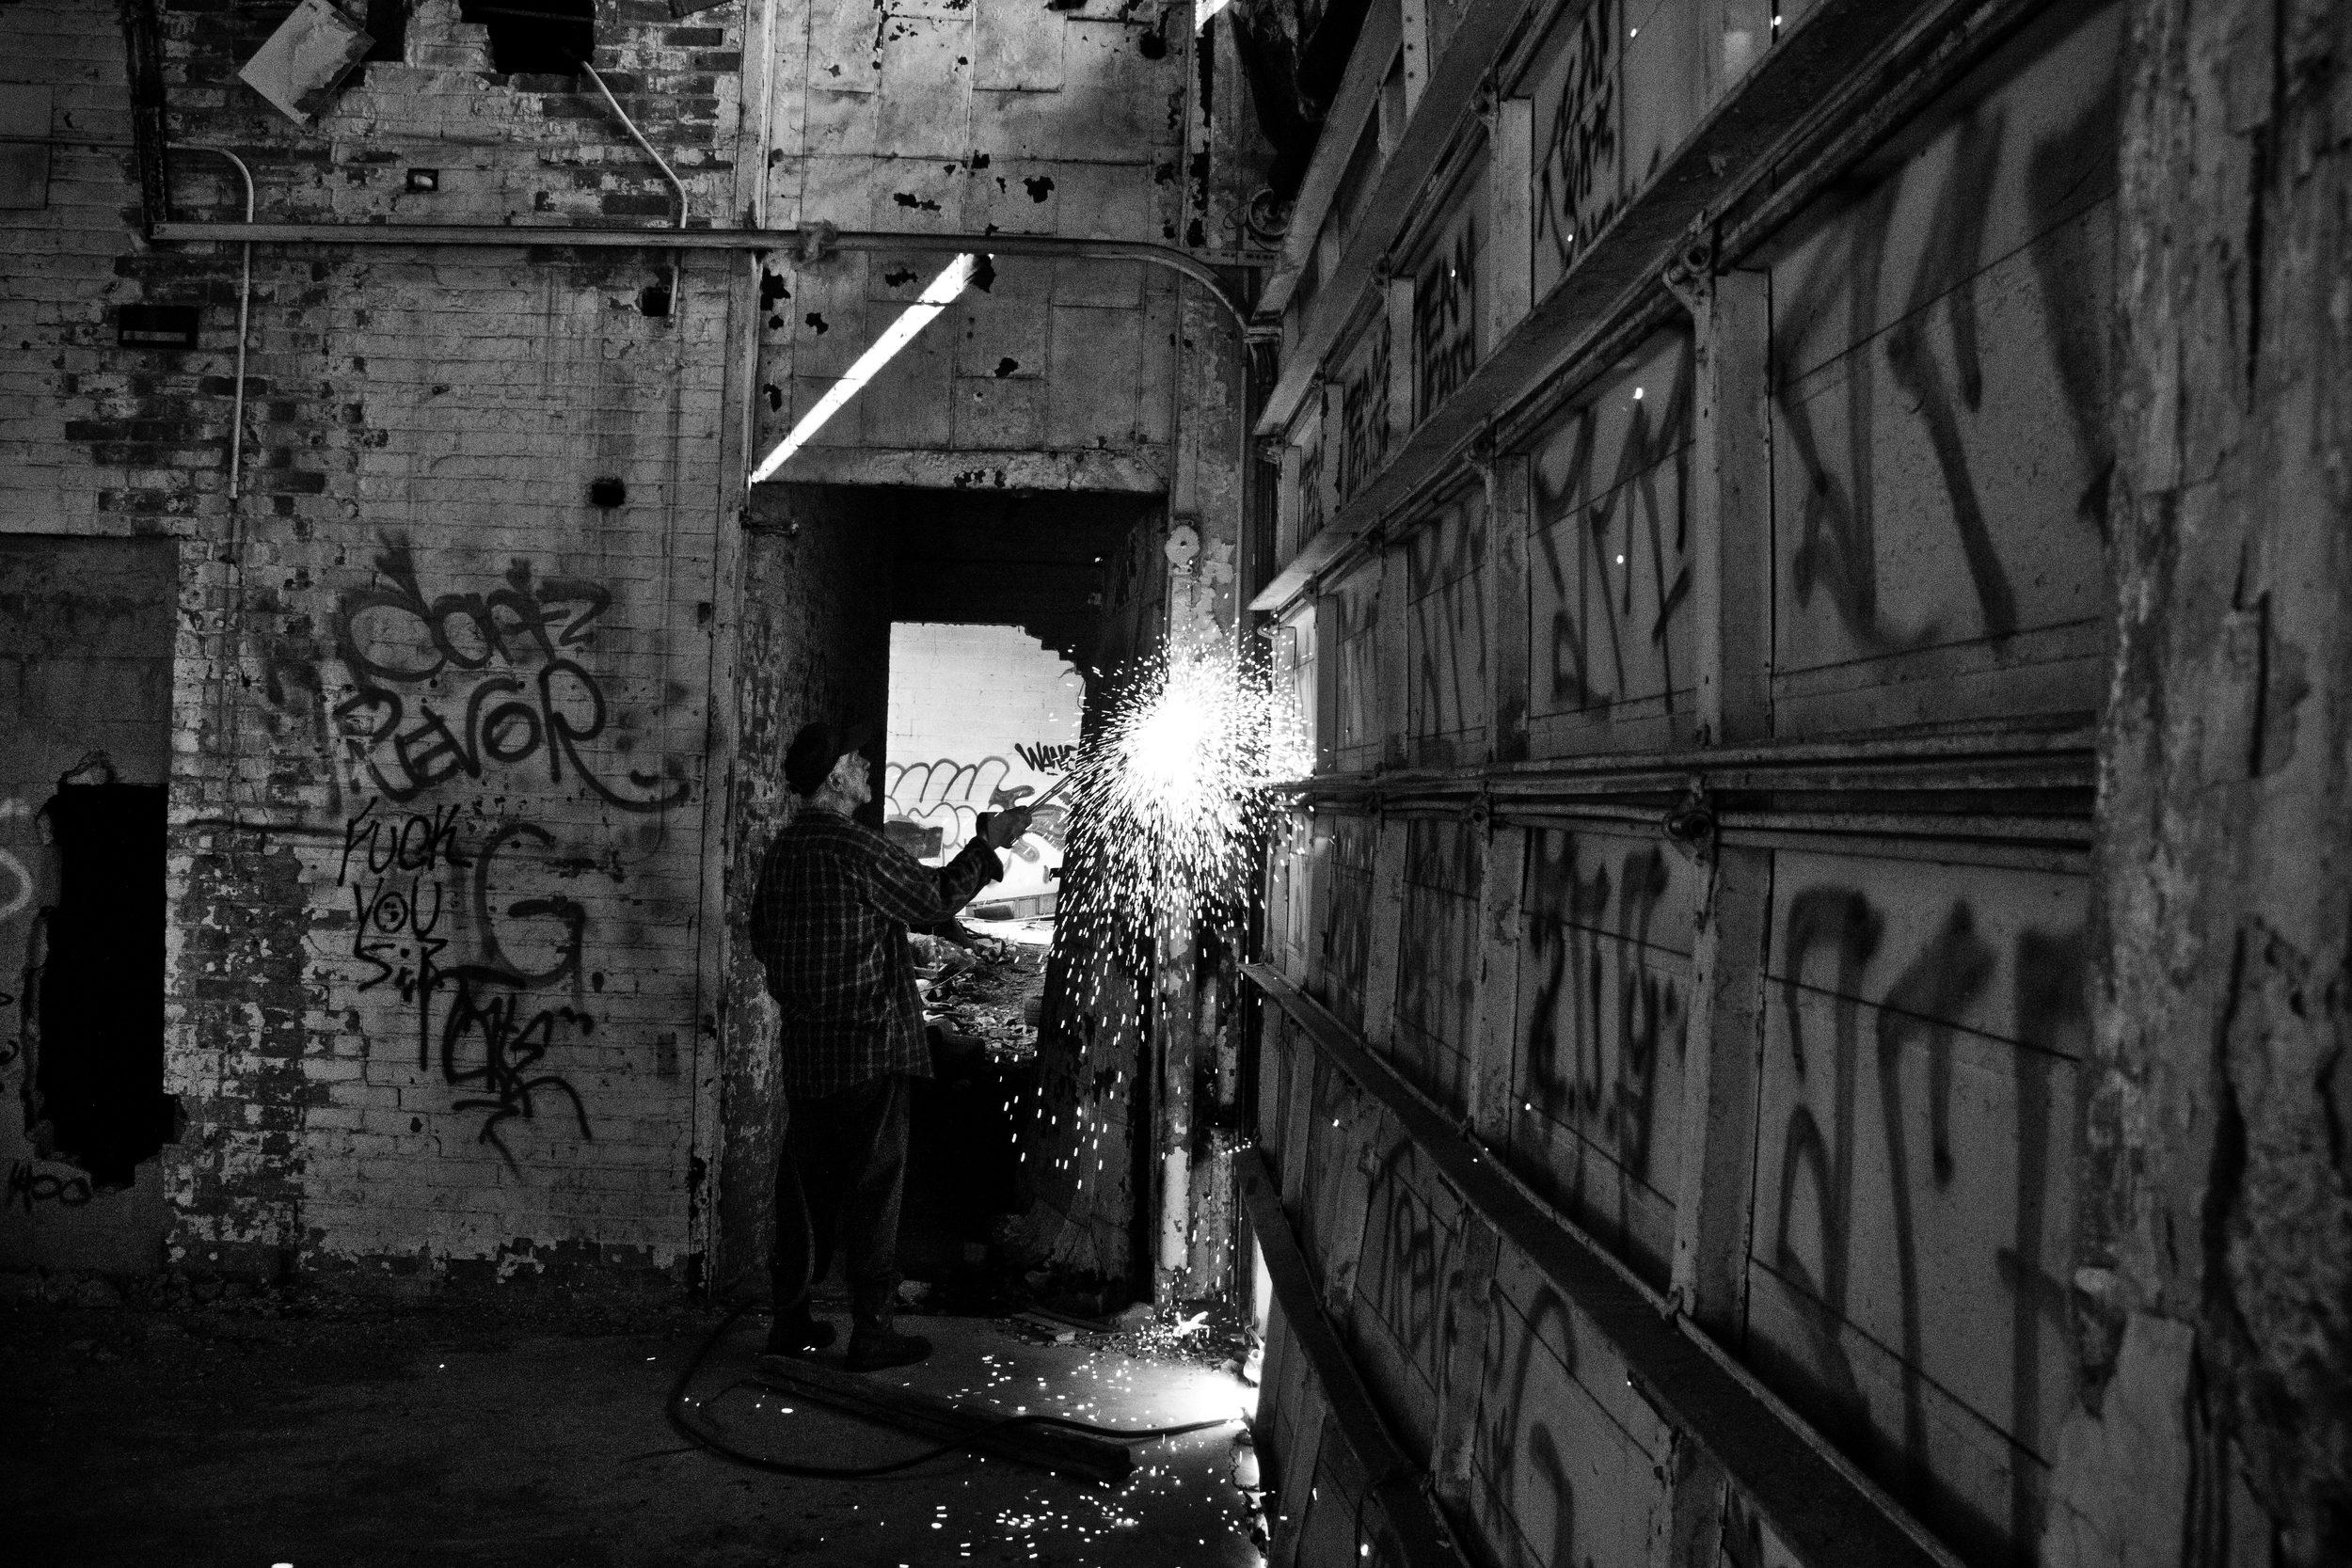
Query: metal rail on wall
[(1825, 1509), (1391, 1479), (808, 243)]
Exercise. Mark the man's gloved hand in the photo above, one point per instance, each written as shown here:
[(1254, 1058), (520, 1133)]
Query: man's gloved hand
[(999, 830)]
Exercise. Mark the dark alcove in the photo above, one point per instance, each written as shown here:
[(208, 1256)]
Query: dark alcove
[(97, 1080)]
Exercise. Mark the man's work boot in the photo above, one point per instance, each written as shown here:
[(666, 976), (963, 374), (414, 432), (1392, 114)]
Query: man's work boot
[(872, 1348), (796, 1331)]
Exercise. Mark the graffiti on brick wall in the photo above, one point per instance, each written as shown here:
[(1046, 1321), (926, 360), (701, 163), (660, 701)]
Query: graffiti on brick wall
[(456, 685), (16, 896), (16, 883), (1044, 757), (950, 795), (1893, 1026), (416, 893), (28, 1184), (1579, 167), (16, 886)]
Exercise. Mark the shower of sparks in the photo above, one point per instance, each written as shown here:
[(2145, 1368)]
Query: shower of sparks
[(1172, 797)]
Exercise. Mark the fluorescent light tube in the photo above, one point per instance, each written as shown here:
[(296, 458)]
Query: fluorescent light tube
[(936, 296)]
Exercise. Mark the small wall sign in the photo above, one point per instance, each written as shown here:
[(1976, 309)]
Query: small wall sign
[(155, 326)]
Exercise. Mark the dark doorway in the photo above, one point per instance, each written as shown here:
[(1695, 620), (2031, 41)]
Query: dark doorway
[(963, 1161), (535, 38), (86, 629), (97, 981)]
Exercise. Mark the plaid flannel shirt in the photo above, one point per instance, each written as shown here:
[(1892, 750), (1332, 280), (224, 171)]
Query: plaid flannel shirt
[(830, 921)]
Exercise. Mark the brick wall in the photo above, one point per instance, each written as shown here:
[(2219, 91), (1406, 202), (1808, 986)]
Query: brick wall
[(440, 997), (439, 717)]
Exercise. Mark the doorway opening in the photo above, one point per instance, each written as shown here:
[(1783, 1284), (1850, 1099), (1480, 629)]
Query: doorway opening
[(970, 621), (535, 38), (982, 717), (97, 1086), (86, 660)]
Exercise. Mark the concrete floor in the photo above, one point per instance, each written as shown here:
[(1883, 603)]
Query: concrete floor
[(532, 1432)]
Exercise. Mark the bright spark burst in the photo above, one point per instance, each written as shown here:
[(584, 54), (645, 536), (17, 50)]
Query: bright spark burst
[(1171, 796)]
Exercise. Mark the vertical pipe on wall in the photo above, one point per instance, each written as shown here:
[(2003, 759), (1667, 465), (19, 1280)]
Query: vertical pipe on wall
[(658, 162)]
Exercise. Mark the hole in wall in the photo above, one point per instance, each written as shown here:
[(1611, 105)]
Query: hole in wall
[(607, 492), (535, 38), (654, 300), (387, 23), (97, 999)]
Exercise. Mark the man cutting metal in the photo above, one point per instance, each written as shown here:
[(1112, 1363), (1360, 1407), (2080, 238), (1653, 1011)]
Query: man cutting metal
[(829, 921)]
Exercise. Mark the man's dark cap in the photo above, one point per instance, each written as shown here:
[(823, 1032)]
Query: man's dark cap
[(817, 747)]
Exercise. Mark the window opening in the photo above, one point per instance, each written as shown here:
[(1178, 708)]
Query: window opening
[(535, 38), (387, 24)]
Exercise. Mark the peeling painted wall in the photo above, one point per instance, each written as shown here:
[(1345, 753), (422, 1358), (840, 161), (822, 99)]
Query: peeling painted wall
[(815, 645), (943, 115), (2215, 1234)]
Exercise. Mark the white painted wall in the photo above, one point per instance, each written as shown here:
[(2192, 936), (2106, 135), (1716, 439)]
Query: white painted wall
[(974, 713)]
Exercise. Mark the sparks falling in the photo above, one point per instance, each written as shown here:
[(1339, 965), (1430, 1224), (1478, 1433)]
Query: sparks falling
[(1172, 797)]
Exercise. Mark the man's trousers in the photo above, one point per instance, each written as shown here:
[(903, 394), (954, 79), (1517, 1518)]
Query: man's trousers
[(839, 1182)]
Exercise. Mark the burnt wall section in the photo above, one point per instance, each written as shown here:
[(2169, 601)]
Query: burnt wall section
[(86, 684), (815, 646)]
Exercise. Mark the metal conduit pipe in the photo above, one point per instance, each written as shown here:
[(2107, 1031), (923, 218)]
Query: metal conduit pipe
[(815, 237), (244, 299), (676, 304)]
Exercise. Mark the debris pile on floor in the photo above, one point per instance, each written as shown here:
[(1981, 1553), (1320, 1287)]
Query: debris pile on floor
[(988, 989)]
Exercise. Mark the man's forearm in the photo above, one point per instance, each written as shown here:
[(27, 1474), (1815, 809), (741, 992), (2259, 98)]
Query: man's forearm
[(974, 867)]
